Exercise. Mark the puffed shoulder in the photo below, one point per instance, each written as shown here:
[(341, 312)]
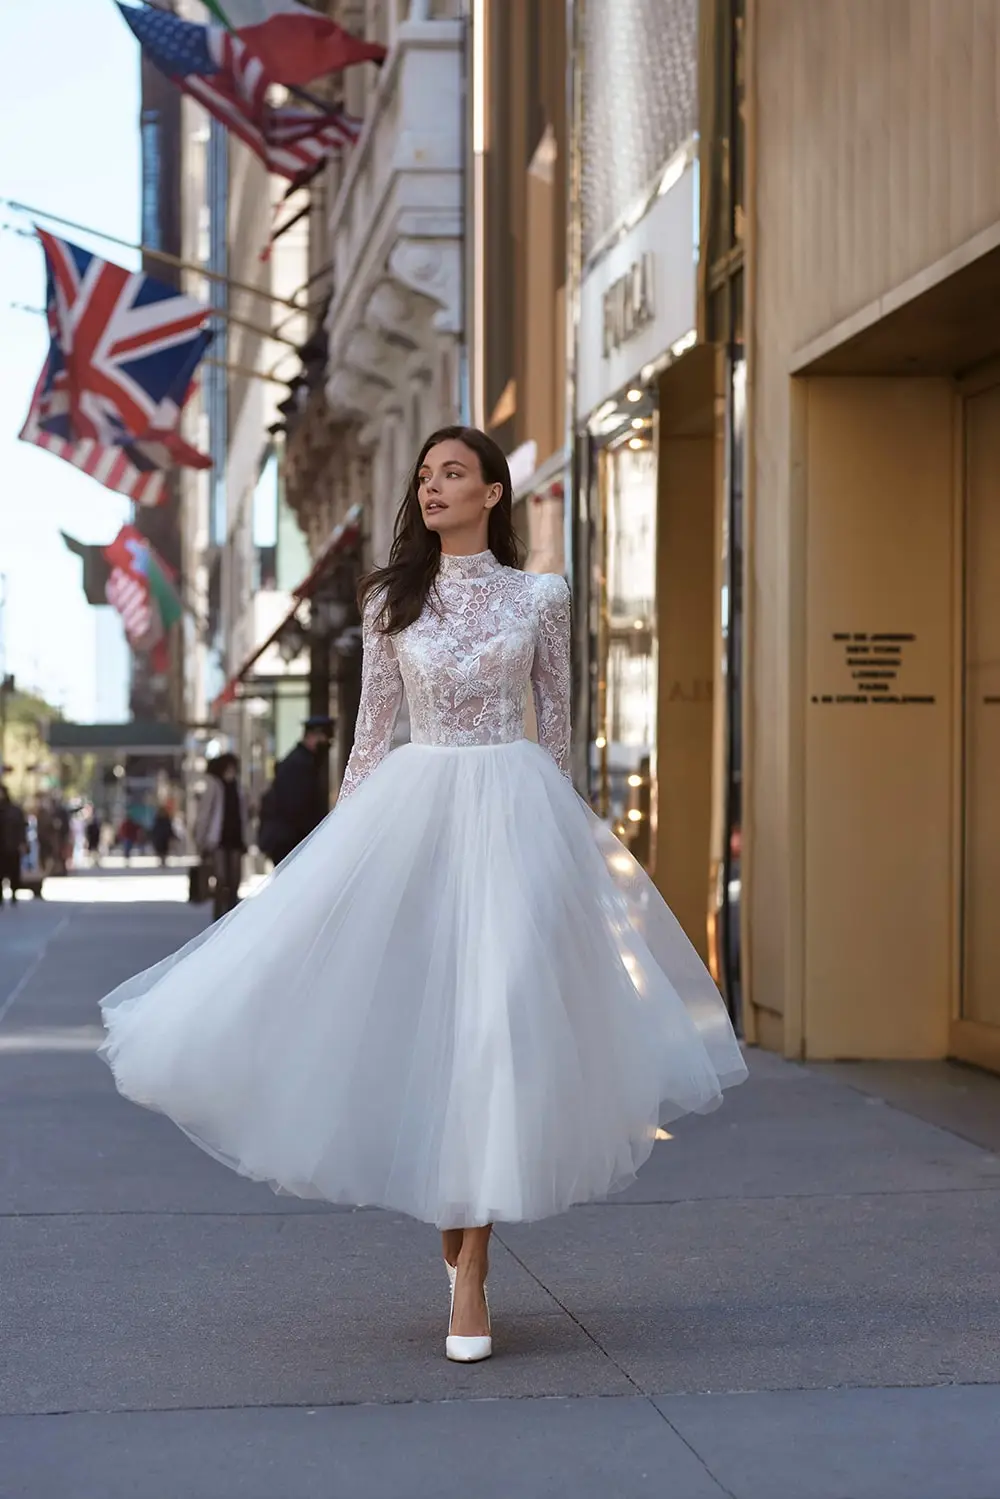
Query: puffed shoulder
[(551, 589)]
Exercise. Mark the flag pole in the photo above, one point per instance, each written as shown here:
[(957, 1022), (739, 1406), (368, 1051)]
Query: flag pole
[(246, 370), (227, 317), (164, 255)]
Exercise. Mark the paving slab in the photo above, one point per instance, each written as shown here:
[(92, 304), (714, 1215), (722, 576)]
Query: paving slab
[(494, 1449), (900, 1288), (953, 1096), (847, 1444), (842, 1142), (156, 1312)]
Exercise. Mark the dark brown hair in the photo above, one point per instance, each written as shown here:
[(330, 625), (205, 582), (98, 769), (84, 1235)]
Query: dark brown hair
[(408, 577)]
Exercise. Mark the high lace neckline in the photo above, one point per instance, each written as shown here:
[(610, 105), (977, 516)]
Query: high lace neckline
[(478, 565)]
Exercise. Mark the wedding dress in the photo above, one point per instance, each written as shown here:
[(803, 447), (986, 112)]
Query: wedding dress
[(461, 997)]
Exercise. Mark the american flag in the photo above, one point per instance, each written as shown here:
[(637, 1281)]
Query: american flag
[(128, 471), (124, 347), (218, 69), (131, 600)]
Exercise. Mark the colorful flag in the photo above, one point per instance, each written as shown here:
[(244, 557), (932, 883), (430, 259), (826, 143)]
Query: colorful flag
[(141, 588), (216, 67), (123, 350), (292, 40), (126, 470), (96, 569), (135, 469)]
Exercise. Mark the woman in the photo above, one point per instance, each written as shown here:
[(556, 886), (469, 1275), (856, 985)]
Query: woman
[(460, 998), (220, 831)]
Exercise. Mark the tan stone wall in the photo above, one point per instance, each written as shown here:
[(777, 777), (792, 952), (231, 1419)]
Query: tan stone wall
[(873, 153)]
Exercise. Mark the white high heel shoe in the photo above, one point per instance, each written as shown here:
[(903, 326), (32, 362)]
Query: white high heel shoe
[(466, 1350)]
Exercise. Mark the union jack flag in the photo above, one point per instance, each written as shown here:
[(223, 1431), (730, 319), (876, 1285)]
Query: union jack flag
[(136, 471), (123, 350), (216, 67)]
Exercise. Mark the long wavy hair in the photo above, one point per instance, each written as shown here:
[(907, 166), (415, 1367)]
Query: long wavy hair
[(407, 580)]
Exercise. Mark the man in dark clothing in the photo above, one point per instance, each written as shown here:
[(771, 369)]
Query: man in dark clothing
[(13, 842), (295, 803), (220, 831)]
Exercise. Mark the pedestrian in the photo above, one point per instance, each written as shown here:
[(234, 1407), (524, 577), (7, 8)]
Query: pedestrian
[(162, 835), (128, 836), (92, 834), (13, 845), (221, 831), (296, 803), (463, 1000)]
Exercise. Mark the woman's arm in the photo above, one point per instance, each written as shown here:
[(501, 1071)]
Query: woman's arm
[(381, 695), (550, 673)]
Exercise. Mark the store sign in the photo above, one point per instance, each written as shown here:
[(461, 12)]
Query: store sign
[(639, 299), (628, 304)]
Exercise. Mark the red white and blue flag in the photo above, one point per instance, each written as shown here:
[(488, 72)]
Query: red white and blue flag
[(123, 350), (136, 470), (219, 69)]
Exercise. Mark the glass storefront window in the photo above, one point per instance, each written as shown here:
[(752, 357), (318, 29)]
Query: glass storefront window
[(624, 748)]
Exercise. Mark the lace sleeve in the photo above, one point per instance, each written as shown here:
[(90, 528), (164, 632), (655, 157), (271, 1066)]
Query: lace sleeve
[(550, 675), (381, 695)]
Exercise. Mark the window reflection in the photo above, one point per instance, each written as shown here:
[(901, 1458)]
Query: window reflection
[(627, 664)]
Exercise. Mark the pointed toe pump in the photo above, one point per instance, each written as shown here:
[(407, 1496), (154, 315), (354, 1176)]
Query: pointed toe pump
[(466, 1350)]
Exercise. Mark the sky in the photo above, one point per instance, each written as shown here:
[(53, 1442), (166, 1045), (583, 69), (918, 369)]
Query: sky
[(69, 143)]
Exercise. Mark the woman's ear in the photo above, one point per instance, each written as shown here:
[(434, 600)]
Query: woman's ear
[(495, 496)]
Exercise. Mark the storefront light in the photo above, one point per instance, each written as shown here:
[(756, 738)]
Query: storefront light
[(638, 421), (634, 815), (633, 395), (636, 442), (683, 344), (635, 780), (601, 742)]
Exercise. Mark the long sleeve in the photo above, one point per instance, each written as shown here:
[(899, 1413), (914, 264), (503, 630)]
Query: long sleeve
[(381, 695), (550, 671)]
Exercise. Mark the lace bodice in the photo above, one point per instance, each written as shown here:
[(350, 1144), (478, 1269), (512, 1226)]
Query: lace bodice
[(486, 633)]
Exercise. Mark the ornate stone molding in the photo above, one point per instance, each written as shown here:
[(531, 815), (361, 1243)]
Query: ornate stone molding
[(432, 268)]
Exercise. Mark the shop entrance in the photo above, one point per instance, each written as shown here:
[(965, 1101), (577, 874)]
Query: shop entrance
[(976, 1036)]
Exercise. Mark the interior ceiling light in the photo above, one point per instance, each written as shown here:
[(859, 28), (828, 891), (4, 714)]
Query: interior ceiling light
[(637, 442), (633, 395), (638, 421)]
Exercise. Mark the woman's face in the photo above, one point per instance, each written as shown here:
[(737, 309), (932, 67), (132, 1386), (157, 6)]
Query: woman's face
[(451, 490)]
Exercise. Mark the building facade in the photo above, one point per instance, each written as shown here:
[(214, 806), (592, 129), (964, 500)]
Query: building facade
[(517, 126), (654, 388), (873, 627)]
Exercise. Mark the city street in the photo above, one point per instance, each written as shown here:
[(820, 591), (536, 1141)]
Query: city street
[(798, 1300)]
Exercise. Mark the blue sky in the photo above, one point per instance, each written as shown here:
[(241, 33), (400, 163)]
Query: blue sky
[(69, 143)]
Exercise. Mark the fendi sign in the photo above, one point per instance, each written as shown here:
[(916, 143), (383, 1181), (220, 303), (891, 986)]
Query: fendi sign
[(628, 304)]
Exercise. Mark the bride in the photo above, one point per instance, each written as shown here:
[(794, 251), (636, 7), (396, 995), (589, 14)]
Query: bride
[(460, 997)]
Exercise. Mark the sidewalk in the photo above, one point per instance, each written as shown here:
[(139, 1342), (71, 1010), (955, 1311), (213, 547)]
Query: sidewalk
[(797, 1300)]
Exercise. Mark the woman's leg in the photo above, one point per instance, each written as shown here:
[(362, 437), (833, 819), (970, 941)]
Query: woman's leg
[(451, 1244), (470, 1318)]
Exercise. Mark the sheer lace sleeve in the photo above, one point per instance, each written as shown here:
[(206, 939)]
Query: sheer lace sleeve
[(550, 675), (381, 695)]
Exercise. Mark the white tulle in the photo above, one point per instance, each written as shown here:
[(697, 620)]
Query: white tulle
[(461, 998)]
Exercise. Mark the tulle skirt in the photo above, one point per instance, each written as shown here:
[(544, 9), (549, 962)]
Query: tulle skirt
[(461, 998)]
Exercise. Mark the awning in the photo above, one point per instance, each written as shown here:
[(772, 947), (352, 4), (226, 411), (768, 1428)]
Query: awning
[(132, 738), (343, 536)]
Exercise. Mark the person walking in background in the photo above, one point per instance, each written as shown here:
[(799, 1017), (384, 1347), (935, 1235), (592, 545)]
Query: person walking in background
[(162, 835), (92, 834), (221, 831), (295, 802), (13, 844)]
